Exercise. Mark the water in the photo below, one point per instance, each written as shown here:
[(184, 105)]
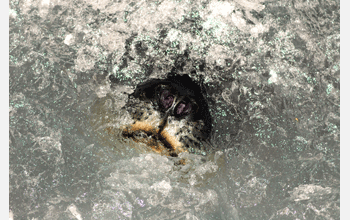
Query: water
[(272, 73)]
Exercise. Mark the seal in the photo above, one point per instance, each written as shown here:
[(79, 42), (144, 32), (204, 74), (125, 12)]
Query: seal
[(170, 116)]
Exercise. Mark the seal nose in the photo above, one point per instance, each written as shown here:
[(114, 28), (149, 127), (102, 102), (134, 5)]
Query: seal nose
[(171, 103), (174, 105), (174, 109)]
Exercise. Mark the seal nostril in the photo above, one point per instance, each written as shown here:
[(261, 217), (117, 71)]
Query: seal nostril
[(166, 99), (183, 108)]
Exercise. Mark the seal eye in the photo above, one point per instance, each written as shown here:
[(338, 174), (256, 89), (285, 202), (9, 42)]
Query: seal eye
[(166, 99), (183, 108)]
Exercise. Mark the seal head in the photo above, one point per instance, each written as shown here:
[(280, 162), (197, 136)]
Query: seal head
[(170, 115)]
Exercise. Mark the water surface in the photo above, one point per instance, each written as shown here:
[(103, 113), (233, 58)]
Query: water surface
[(271, 69)]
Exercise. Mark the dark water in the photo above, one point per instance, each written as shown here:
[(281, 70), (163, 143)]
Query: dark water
[(272, 72)]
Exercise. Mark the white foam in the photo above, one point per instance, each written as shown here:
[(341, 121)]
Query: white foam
[(306, 192), (162, 186), (12, 13), (69, 39), (74, 210), (273, 78)]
